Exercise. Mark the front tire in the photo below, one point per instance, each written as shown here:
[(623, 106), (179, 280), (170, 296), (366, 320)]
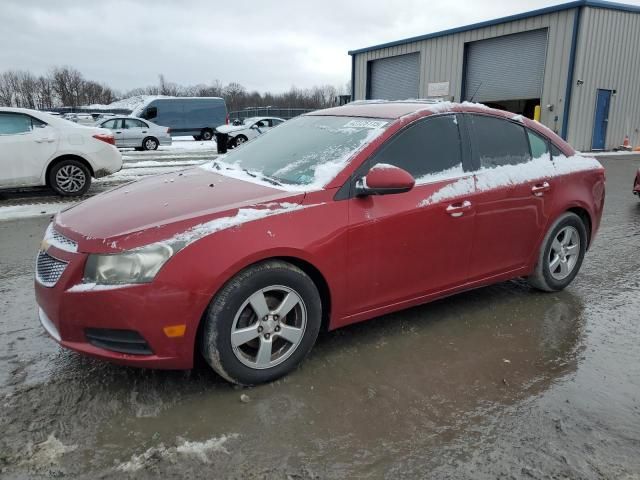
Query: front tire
[(239, 140), (561, 254), (70, 178), (262, 324)]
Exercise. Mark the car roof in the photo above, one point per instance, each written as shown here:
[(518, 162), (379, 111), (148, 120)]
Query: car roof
[(394, 110)]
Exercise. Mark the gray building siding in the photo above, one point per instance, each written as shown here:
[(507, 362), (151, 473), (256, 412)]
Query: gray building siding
[(442, 59), (607, 57)]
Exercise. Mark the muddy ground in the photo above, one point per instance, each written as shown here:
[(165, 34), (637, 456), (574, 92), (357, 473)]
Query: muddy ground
[(502, 382)]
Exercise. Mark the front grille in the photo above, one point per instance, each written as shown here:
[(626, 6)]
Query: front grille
[(58, 240), (122, 341), (49, 269), (63, 242)]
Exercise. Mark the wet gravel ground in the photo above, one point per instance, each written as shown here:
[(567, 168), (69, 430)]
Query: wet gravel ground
[(502, 382)]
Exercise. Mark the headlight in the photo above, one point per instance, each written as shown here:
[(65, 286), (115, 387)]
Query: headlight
[(136, 266)]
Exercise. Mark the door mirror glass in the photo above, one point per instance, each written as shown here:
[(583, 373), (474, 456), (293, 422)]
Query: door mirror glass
[(384, 179)]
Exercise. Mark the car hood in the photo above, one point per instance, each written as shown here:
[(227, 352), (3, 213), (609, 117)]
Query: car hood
[(231, 128), (160, 207)]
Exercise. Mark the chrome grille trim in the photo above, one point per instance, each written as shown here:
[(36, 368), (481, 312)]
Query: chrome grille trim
[(55, 238), (49, 269)]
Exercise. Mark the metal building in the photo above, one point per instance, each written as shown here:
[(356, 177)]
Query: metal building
[(579, 61)]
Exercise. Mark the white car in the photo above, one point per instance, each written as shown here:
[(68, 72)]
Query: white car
[(137, 133), (81, 118), (39, 149), (248, 129)]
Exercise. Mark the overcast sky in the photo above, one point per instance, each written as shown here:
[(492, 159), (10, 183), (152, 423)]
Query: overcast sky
[(266, 45)]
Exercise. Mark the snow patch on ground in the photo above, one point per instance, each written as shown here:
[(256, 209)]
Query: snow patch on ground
[(28, 211), (47, 453), (199, 450)]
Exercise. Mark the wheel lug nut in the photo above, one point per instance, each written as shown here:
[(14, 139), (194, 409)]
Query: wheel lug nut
[(276, 317), (265, 318), (260, 329), (277, 329), (266, 335)]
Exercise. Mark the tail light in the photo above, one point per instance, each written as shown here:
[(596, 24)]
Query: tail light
[(106, 138), (227, 119)]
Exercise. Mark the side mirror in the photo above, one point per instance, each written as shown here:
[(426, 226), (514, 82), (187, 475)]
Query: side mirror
[(384, 179)]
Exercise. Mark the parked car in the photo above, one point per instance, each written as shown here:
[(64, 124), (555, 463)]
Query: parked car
[(80, 118), (196, 116), (335, 217), (39, 149), (248, 129), (636, 184), (137, 133)]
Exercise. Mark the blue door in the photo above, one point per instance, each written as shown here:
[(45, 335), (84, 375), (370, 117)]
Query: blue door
[(603, 100)]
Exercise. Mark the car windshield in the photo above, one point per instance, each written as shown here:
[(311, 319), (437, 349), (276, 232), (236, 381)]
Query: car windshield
[(305, 151)]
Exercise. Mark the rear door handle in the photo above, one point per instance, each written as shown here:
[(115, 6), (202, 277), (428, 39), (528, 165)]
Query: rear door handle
[(457, 209), (539, 189), (144, 131)]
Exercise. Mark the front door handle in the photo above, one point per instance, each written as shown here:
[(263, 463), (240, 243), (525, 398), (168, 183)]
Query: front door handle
[(539, 189), (144, 131), (457, 209)]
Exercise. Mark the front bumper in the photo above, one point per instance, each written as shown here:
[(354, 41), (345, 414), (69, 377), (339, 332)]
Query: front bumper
[(66, 315)]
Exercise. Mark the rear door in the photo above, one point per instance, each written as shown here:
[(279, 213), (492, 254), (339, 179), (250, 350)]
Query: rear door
[(26, 145), (115, 126), (408, 245), (514, 194)]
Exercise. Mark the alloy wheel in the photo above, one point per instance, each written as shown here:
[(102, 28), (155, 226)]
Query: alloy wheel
[(564, 253), (70, 178), (268, 327)]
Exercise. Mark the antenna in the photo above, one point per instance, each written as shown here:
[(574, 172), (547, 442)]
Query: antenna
[(475, 93)]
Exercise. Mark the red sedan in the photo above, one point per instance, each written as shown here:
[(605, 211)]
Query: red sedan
[(332, 218)]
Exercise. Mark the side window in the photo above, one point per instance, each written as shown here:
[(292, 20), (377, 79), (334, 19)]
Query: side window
[(133, 123), (150, 113), (14, 123), (538, 144), (276, 122), (498, 142), (110, 124), (428, 147), (555, 151)]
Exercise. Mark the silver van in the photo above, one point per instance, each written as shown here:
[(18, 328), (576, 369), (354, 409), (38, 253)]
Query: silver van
[(195, 116)]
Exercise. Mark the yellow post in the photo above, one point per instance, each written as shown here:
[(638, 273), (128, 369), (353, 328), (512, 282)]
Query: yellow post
[(536, 113)]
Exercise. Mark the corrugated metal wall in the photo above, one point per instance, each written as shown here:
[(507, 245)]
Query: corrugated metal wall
[(608, 57), (441, 59)]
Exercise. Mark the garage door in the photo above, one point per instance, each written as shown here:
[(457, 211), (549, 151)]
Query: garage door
[(394, 78), (506, 68)]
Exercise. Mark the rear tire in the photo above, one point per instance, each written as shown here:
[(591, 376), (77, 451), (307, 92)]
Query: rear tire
[(206, 135), (239, 140), (150, 143), (561, 254), (243, 334), (70, 178)]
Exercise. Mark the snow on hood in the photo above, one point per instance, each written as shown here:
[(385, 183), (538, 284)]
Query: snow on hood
[(506, 175), (231, 128)]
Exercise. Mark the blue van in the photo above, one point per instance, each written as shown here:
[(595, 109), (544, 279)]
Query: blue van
[(196, 116)]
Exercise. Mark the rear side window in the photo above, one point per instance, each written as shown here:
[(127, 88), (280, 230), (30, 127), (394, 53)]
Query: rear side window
[(498, 142), (133, 123), (14, 123), (539, 145), (430, 146), (110, 124)]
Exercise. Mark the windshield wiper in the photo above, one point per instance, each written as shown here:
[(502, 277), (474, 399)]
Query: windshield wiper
[(263, 177)]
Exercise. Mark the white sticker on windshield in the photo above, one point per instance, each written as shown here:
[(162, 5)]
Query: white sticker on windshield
[(365, 124)]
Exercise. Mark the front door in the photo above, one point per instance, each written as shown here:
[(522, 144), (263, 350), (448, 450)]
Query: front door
[(408, 245), (134, 132), (601, 120)]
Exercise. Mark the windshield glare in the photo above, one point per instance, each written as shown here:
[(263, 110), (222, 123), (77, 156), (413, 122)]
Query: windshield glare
[(308, 150)]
